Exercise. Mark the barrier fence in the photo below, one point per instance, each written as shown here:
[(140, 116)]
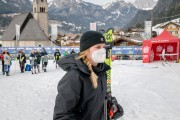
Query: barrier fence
[(120, 52)]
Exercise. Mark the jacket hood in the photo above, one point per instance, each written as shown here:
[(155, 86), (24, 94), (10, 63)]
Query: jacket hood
[(70, 62)]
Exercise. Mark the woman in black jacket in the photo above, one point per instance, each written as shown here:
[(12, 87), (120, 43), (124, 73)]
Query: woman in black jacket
[(82, 91)]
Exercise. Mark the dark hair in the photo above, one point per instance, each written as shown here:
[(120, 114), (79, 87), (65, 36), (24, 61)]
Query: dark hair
[(8, 53), (3, 52)]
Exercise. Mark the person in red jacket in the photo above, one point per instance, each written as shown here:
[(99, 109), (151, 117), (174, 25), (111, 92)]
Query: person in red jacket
[(2, 59)]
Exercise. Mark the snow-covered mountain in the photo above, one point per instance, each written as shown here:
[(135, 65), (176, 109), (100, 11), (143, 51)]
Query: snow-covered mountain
[(75, 16), (15, 6), (163, 9), (145, 4), (79, 13)]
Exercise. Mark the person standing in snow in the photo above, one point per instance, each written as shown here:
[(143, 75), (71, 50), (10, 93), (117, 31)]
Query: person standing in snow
[(2, 59), (66, 53), (7, 63), (22, 60), (57, 56), (38, 55), (44, 56), (33, 62), (72, 51), (82, 90), (10, 61)]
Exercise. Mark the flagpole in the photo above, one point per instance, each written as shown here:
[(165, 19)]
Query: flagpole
[(54, 32), (17, 27)]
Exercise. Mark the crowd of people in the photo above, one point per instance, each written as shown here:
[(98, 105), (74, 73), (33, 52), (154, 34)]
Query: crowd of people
[(36, 58)]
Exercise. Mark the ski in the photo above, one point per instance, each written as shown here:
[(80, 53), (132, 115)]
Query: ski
[(108, 38)]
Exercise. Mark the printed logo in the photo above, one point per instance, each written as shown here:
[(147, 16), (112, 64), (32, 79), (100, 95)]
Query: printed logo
[(146, 49), (102, 39), (159, 48), (170, 48)]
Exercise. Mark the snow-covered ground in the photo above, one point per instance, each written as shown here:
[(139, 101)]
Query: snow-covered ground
[(146, 91)]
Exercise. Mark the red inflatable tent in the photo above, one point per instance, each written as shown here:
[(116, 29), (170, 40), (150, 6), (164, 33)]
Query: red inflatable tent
[(165, 45)]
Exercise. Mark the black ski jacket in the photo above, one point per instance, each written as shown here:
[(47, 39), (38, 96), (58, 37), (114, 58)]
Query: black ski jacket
[(77, 99), (22, 58), (57, 55)]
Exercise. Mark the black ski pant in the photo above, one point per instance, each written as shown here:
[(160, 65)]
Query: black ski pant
[(22, 64), (3, 66), (44, 65)]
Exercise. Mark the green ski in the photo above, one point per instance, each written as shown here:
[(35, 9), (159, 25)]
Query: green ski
[(113, 110), (108, 38)]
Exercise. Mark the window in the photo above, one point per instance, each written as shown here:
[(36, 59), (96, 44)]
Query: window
[(41, 9)]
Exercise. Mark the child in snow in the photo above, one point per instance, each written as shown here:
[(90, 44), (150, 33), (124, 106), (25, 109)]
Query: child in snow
[(82, 91), (57, 56), (7, 63)]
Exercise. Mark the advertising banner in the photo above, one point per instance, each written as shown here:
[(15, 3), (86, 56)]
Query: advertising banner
[(129, 50)]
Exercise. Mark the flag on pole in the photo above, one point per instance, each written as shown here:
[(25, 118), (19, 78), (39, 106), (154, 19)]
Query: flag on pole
[(93, 26), (148, 29), (54, 32), (17, 32)]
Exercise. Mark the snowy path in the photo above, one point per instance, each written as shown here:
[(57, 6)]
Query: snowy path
[(29, 97), (146, 92)]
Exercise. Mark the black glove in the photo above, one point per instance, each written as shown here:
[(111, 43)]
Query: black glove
[(115, 110)]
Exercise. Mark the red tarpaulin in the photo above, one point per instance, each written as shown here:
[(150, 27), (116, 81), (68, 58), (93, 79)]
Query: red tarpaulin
[(153, 49)]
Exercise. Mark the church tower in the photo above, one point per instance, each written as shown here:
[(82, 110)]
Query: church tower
[(40, 10)]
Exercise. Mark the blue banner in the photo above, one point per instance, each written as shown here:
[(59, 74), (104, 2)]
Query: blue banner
[(129, 50)]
